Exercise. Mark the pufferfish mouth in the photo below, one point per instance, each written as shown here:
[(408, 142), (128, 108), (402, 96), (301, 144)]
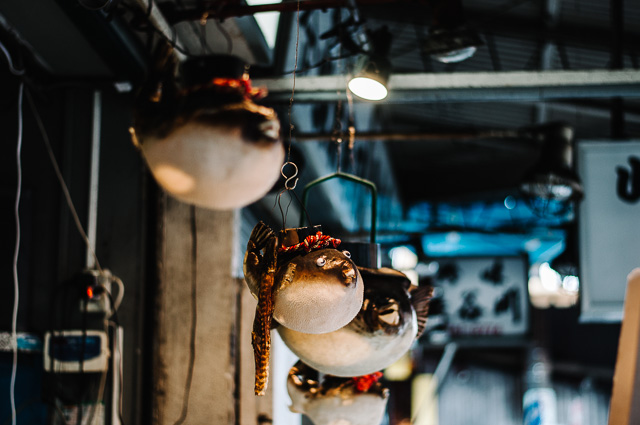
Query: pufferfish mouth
[(348, 274)]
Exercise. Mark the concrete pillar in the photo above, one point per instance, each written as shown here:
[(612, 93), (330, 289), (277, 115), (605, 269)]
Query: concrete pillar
[(202, 374)]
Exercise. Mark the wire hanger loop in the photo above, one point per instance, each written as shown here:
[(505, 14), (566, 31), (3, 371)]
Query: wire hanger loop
[(288, 179)]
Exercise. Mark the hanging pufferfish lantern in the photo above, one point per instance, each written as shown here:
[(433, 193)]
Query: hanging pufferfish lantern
[(393, 316), (302, 281), (333, 400), (204, 139)]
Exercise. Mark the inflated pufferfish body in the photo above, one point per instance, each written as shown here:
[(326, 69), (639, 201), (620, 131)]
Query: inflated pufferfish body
[(390, 320), (336, 401), (314, 292), (208, 143), (317, 292)]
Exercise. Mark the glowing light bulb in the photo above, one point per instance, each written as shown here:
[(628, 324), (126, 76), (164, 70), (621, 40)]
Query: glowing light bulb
[(368, 88)]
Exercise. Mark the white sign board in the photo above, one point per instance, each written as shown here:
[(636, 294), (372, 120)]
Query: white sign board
[(609, 224), (484, 295)]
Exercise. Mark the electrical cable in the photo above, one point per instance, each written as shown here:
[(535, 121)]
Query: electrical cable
[(194, 318), (115, 305), (83, 379), (115, 323), (15, 71), (103, 376), (118, 281), (118, 347), (63, 184), (22, 408), (16, 288), (80, 229), (16, 252)]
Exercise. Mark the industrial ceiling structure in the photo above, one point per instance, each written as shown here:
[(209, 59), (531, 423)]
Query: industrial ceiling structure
[(454, 149), (448, 134), (451, 145)]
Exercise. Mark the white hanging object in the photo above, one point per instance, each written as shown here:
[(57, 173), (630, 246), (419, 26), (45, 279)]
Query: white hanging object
[(204, 139), (383, 331), (336, 401), (215, 167)]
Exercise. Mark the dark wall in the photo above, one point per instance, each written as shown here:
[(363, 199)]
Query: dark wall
[(51, 249)]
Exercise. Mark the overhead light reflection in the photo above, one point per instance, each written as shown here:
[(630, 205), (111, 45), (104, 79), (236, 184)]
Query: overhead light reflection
[(548, 288), (571, 283), (510, 202), (549, 278), (403, 258)]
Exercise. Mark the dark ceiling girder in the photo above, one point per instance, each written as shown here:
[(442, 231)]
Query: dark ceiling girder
[(174, 15), (565, 33), (112, 39)]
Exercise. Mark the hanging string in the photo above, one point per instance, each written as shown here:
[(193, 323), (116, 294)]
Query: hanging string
[(351, 120), (293, 87), (338, 132), (288, 186)]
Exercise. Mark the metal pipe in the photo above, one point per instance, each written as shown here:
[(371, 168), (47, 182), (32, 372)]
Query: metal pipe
[(444, 365), (173, 16), (468, 86), (94, 170), (157, 18), (409, 137)]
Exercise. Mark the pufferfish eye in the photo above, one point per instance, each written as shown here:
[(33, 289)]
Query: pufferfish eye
[(321, 261), (347, 254)]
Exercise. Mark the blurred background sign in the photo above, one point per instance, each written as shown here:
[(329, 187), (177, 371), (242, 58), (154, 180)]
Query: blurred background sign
[(609, 223), (483, 295)]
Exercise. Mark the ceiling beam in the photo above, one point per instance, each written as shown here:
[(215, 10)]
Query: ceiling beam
[(565, 32), (229, 9), (467, 86)]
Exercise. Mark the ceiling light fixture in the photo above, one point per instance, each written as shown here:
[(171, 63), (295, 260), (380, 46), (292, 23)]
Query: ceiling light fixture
[(373, 68), (370, 82), (452, 45), (450, 39), (552, 178)]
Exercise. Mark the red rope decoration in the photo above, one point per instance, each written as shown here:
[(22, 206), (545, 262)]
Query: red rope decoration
[(312, 242), (242, 84), (364, 383)]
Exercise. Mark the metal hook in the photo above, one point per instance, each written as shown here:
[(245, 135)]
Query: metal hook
[(286, 183)]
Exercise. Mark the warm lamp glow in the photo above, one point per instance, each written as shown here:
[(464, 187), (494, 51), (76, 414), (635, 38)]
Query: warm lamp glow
[(368, 88)]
